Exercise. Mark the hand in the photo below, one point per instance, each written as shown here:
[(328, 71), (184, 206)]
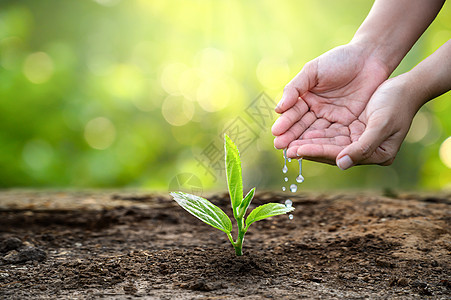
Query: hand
[(325, 101), (374, 138)]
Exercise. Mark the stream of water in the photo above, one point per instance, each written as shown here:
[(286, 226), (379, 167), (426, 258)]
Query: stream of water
[(293, 187)]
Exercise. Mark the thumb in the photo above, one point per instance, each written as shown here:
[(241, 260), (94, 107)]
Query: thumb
[(298, 86), (363, 148)]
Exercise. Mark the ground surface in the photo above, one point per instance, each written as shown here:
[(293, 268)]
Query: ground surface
[(120, 245)]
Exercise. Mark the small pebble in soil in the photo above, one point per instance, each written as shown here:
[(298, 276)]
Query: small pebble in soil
[(25, 255), (9, 244)]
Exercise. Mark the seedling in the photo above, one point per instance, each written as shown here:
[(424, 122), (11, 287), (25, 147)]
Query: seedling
[(214, 216)]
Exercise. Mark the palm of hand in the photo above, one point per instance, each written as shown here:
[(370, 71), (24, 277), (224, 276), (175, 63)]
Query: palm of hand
[(329, 116)]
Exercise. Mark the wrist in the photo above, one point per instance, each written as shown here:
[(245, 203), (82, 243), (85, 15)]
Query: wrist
[(392, 28), (412, 92), (376, 47)]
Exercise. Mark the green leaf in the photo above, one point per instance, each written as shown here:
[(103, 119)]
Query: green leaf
[(233, 171), (204, 210), (266, 211), (245, 203)]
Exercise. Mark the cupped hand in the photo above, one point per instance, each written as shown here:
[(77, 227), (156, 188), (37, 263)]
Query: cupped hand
[(373, 138), (324, 101)]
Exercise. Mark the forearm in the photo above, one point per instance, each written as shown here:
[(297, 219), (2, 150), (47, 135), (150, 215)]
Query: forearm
[(393, 26), (430, 78)]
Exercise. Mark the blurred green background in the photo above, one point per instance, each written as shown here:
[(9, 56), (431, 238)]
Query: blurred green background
[(111, 93)]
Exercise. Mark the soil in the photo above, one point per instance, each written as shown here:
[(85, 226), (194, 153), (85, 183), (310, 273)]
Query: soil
[(126, 245)]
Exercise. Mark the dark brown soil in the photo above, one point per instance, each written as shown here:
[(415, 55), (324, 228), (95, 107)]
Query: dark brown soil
[(125, 245)]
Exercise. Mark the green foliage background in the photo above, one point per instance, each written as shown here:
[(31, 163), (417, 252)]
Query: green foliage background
[(112, 93)]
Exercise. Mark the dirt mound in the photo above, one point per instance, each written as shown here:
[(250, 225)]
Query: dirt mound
[(107, 244)]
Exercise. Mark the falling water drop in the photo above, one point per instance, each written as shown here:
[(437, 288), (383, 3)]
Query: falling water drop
[(290, 216), (293, 188), (284, 188), (285, 168), (286, 179), (288, 203), (300, 178), (289, 159)]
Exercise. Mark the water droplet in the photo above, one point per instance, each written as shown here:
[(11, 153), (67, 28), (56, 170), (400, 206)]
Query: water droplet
[(300, 178), (288, 203), (286, 179), (293, 188), (285, 169), (289, 159), (284, 188), (290, 216)]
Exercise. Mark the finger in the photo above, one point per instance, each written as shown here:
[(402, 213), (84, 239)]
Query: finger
[(323, 152), (340, 141), (336, 140), (320, 160), (282, 141), (292, 153), (360, 150), (298, 86), (289, 118)]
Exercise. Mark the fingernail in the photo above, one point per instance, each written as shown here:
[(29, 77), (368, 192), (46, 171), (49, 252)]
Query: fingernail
[(281, 101), (345, 162)]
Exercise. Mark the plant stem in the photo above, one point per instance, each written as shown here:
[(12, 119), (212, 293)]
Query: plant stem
[(239, 241), (238, 244)]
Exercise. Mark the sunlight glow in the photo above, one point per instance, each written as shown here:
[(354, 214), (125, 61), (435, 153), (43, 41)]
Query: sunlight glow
[(177, 111), (38, 67), (100, 133), (445, 152), (420, 127)]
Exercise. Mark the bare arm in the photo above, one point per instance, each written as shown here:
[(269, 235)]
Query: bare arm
[(392, 28), (389, 31), (429, 79)]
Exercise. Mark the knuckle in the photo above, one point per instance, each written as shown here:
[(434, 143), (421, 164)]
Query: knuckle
[(287, 88), (388, 162), (365, 150)]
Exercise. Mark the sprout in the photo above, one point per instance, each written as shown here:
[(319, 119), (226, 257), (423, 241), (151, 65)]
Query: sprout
[(214, 216)]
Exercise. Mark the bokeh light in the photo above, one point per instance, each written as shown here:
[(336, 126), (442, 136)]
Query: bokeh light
[(177, 111), (445, 152), (37, 154), (105, 93), (213, 94), (273, 73), (100, 133), (38, 67)]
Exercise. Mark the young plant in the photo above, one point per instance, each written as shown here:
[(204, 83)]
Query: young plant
[(214, 216)]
